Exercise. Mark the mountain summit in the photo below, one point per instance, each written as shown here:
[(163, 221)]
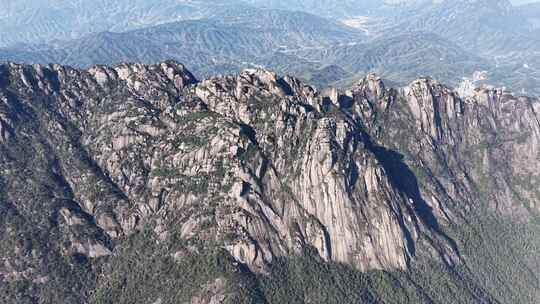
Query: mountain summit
[(140, 184)]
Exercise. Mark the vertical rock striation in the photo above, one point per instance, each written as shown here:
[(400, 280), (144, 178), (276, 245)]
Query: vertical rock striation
[(262, 165)]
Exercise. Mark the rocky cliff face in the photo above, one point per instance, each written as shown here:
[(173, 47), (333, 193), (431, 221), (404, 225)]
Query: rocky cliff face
[(259, 165)]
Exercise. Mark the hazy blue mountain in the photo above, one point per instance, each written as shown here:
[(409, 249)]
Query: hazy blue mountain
[(351, 8), (31, 21), (503, 35), (487, 27), (399, 39), (531, 11), (327, 8), (295, 45), (237, 38), (402, 58), (521, 2)]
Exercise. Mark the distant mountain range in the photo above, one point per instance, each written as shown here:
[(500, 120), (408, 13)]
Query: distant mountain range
[(400, 40), (29, 21), (239, 37)]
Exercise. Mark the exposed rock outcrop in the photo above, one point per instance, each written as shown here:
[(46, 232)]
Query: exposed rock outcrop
[(262, 165)]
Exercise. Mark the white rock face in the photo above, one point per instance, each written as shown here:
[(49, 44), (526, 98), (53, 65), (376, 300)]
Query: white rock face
[(468, 86), (91, 249)]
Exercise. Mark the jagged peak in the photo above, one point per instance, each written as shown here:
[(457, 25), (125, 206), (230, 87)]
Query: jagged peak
[(263, 79), (260, 73), (428, 85), (38, 68), (173, 70), (424, 81), (170, 69), (268, 77), (371, 86), (366, 185)]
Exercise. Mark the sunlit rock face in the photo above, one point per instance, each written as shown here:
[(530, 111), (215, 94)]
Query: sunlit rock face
[(262, 165)]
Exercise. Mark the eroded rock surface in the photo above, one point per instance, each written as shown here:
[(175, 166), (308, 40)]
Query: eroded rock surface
[(262, 165)]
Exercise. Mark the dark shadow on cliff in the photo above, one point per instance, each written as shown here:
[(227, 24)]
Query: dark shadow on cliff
[(4, 75), (403, 179), (248, 132), (284, 85)]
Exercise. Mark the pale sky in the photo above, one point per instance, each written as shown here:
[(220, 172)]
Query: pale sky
[(523, 1)]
